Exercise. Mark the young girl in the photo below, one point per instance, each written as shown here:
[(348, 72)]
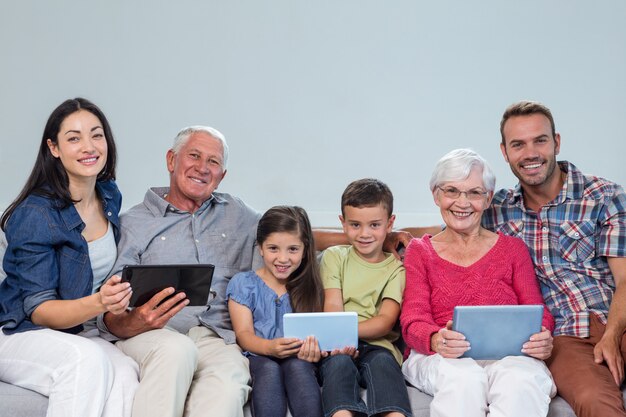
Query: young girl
[(288, 281)]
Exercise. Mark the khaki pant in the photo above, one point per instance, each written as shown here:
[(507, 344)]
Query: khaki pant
[(195, 375), (589, 388)]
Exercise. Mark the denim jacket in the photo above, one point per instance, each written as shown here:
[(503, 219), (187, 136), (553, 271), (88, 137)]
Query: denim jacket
[(47, 258)]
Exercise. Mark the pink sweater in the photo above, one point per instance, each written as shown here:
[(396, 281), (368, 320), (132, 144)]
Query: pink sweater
[(434, 286)]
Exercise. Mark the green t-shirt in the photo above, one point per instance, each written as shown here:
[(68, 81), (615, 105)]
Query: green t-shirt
[(364, 285)]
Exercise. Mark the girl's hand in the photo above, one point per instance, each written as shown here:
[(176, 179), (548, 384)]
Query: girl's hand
[(284, 347), (448, 343), (115, 295), (310, 350), (348, 350)]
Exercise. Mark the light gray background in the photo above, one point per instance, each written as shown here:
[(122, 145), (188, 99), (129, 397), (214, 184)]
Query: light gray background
[(314, 94)]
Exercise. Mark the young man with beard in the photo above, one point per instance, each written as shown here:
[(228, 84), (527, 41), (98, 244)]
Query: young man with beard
[(575, 228)]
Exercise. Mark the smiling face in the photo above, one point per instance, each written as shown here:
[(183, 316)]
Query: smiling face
[(80, 146), (195, 171), (366, 229), (530, 149), (282, 254), (461, 214)]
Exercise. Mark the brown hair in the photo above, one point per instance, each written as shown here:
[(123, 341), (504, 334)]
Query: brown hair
[(304, 285), (367, 192), (525, 108)]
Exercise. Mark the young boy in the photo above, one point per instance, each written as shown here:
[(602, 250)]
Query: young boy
[(361, 277)]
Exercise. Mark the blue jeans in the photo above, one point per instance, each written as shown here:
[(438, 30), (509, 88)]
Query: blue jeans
[(376, 370), (278, 382)]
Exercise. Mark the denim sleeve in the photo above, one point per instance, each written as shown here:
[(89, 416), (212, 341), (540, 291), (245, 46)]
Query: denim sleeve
[(32, 256), (3, 248), (31, 302)]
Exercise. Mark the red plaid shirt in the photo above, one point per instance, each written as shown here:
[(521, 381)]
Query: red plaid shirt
[(569, 240)]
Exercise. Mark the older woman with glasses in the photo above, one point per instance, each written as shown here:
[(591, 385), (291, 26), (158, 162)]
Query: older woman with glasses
[(466, 264)]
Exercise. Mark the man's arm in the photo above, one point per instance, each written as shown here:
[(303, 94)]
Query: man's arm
[(325, 238), (608, 348), (421, 231)]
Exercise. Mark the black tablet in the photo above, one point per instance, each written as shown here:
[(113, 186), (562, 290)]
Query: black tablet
[(147, 280)]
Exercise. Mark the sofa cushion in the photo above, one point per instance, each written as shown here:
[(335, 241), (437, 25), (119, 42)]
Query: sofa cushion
[(20, 402)]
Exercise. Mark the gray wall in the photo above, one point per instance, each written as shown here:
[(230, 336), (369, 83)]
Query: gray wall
[(314, 94)]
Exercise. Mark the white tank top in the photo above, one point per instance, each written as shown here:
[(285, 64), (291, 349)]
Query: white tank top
[(102, 254)]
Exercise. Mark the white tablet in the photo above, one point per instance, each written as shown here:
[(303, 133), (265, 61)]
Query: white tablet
[(497, 331), (332, 330)]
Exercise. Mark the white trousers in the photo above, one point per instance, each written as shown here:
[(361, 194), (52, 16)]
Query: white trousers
[(195, 375), (82, 375), (515, 386)]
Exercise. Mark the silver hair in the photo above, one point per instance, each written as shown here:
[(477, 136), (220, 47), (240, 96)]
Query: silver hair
[(457, 165), (183, 136)]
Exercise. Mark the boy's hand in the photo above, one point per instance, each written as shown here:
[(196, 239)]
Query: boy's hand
[(348, 350), (310, 350), (284, 347)]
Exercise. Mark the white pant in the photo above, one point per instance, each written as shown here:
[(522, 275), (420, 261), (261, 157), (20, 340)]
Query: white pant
[(196, 375), (81, 376), (513, 386)]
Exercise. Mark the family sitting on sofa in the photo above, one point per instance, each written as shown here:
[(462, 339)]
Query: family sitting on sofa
[(558, 238)]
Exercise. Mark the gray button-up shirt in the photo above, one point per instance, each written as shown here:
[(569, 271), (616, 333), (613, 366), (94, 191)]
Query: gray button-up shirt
[(221, 232)]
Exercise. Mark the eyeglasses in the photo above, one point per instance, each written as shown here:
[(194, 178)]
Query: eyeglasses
[(475, 194)]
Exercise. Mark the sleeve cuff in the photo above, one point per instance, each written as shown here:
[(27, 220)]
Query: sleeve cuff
[(104, 330), (33, 301)]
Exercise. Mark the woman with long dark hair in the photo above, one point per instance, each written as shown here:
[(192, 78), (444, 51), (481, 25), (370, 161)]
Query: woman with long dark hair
[(62, 231)]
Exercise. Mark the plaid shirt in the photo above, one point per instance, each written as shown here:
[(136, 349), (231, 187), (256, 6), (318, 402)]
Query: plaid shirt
[(569, 240)]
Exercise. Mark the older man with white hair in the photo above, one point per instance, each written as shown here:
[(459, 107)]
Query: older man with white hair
[(189, 361)]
